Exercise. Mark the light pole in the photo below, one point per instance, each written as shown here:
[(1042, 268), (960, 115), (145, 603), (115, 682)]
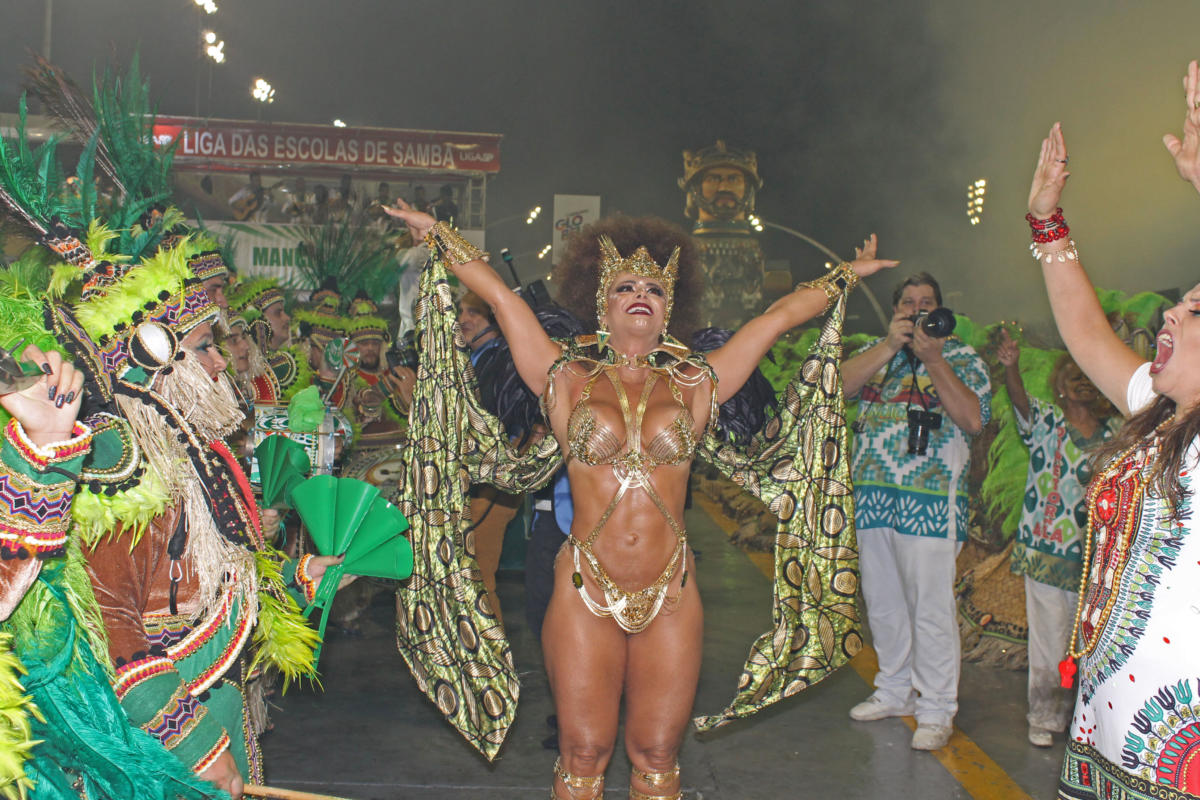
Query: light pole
[(46, 29), (760, 223)]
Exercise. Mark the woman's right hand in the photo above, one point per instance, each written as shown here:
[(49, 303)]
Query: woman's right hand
[(47, 409), (1050, 176), (1187, 152), (418, 222), (224, 773)]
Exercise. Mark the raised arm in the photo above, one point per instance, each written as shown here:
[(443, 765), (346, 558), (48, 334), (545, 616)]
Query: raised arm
[(1009, 354), (534, 352), (1081, 321), (736, 359)]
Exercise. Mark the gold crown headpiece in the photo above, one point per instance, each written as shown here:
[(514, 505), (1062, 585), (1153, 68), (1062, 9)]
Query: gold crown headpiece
[(720, 155), (641, 264)]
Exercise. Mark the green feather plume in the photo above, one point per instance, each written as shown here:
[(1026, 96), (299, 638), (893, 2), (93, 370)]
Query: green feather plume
[(37, 621), (305, 375), (96, 515), (31, 180), (16, 731), (99, 236), (21, 320), (126, 115), (1003, 488), (166, 271), (283, 638), (356, 255), (27, 277), (971, 332), (242, 297), (1142, 306)]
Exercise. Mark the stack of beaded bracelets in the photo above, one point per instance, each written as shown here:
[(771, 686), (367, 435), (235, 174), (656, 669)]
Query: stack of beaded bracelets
[(1049, 230), (838, 281)]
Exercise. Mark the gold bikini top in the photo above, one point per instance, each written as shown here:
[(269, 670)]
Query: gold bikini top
[(595, 444), (632, 464)]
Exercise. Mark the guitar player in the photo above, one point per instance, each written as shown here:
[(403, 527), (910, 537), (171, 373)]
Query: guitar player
[(252, 202)]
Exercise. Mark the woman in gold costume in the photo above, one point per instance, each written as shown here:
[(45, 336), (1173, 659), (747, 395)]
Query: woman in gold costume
[(627, 410)]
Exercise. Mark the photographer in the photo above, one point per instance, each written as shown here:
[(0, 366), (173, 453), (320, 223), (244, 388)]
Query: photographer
[(923, 392)]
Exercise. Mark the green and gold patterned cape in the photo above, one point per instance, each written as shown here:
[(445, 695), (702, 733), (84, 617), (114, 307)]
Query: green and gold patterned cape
[(798, 465)]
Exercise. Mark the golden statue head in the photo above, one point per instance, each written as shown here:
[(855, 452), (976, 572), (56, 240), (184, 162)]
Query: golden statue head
[(720, 182)]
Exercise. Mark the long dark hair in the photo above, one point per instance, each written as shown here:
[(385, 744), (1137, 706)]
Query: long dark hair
[(1177, 438)]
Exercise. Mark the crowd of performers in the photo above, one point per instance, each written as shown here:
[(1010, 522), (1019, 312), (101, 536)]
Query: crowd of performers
[(146, 601)]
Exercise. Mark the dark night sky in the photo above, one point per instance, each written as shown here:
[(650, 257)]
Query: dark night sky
[(865, 115)]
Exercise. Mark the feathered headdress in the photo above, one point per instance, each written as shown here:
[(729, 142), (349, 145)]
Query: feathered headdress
[(365, 324)]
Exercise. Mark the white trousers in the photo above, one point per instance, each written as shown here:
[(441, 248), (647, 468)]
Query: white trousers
[(1050, 612), (908, 583)]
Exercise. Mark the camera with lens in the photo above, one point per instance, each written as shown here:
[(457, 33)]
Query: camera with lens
[(938, 323), (920, 423), (403, 352)]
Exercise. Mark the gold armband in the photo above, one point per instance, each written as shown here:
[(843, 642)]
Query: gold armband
[(838, 281), (454, 248)]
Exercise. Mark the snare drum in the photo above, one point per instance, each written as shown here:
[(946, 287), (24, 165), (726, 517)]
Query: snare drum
[(322, 446)]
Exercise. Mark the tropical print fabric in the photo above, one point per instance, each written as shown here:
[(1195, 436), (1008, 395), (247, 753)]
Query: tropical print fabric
[(799, 467), (1049, 545), (919, 495)]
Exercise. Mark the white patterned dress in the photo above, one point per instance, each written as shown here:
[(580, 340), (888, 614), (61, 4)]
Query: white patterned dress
[(1136, 729)]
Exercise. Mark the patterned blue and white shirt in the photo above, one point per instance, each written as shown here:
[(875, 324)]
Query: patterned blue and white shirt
[(913, 494)]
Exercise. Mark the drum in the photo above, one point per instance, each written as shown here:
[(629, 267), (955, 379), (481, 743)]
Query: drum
[(379, 466), (323, 446)]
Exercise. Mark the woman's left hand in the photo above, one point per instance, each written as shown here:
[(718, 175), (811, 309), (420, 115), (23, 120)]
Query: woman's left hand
[(865, 263), (317, 566), (1050, 175), (1187, 152), (1008, 352)]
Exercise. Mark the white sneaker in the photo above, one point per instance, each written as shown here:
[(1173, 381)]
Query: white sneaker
[(1040, 737), (873, 708), (931, 737)]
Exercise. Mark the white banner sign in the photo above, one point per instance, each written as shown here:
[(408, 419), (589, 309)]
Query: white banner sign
[(273, 250), (263, 250), (572, 212)]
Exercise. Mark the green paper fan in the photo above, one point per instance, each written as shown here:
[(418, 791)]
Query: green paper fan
[(282, 465), (379, 551), (348, 517), (333, 509)]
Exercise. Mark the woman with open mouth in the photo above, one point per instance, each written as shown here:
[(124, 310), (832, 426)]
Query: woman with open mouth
[(1135, 732)]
